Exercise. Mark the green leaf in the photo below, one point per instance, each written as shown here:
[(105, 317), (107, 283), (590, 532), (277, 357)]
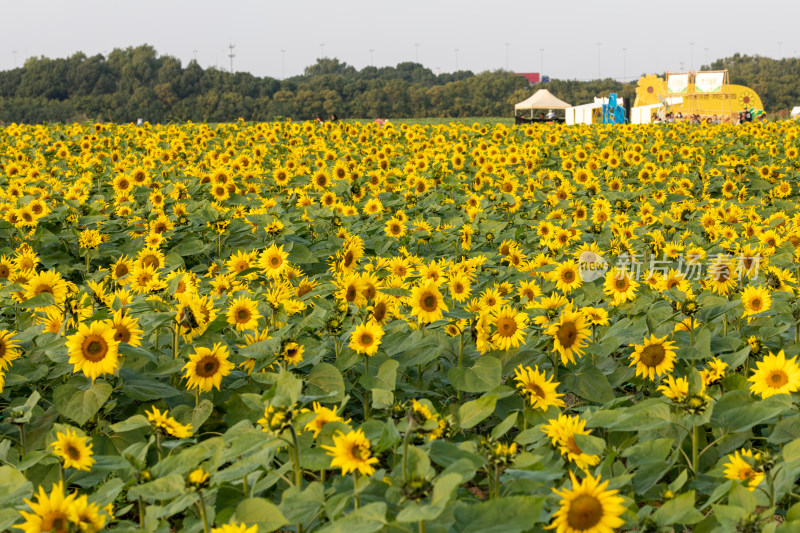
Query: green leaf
[(473, 412), (131, 424), (443, 490), (590, 444), (14, 487), (366, 519), (485, 375), (512, 514), (739, 411), (299, 507), (43, 299), (286, 390), (161, 489), (678, 510), (81, 404), (589, 382), (791, 451), (263, 513)]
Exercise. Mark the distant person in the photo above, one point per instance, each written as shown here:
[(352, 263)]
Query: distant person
[(551, 115), (319, 119), (334, 118)]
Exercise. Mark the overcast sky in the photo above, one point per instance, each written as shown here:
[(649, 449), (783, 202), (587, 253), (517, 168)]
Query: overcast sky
[(557, 37)]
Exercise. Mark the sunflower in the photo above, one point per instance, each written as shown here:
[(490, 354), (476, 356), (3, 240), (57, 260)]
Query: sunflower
[(566, 277), (90, 519), (676, 389), (775, 375), (235, 528), (755, 300), (243, 314), (509, 328), (426, 302), (73, 450), (569, 334), (47, 281), (562, 433), (538, 388), (207, 367), (93, 349), (168, 425), (352, 452), (588, 507), (741, 467), (190, 316), (395, 228), (293, 353), (54, 512), (9, 351), (121, 268), (126, 328), (619, 285), (366, 338), (272, 261), (323, 416), (721, 276), (653, 358)]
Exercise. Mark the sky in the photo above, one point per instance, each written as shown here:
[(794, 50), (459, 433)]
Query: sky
[(563, 39)]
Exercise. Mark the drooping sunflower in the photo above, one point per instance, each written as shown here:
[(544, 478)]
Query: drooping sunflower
[(653, 358), (168, 425), (509, 328), (243, 314), (352, 452), (538, 388), (676, 389), (569, 334), (324, 415), (562, 433), (742, 467), (73, 450), (427, 302), (589, 507), (93, 349), (775, 375), (366, 338), (755, 300), (207, 367), (54, 512)]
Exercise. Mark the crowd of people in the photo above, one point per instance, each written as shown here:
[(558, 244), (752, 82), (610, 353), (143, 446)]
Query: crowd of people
[(744, 116)]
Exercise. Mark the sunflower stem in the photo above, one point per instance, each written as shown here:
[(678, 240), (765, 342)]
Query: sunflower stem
[(141, 512), (422, 526), (695, 455), (355, 488), (366, 392), (175, 339), (298, 473), (244, 486), (691, 331), (202, 505), (405, 451)]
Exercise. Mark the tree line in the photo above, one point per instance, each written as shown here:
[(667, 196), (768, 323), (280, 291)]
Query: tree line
[(137, 82)]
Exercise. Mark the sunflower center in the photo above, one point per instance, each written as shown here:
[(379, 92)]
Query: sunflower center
[(57, 522), (4, 272), (150, 261), (745, 473), (536, 390), (568, 276), (756, 304), (652, 355), (428, 302), (351, 293), (348, 259), (43, 288), (572, 446), (621, 284), (366, 339), (567, 334), (506, 326), (777, 379), (122, 334), (73, 453), (360, 453), (585, 512), (379, 312), (242, 315), (94, 348), (207, 366)]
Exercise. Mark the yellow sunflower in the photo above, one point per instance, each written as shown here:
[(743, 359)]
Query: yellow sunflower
[(562, 433), (775, 375), (676, 389), (126, 328), (93, 349), (272, 261), (243, 314), (323, 416), (589, 507), (569, 334), (54, 512), (426, 302), (47, 281), (741, 467), (90, 519), (168, 425), (9, 350), (755, 300), (352, 452), (566, 276), (619, 285), (366, 338), (74, 450), (653, 358), (538, 388), (207, 367), (509, 328)]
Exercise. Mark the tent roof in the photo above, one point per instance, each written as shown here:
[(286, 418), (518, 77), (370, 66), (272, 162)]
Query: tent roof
[(542, 99)]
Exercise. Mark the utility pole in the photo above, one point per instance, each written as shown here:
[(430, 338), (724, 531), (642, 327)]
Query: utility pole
[(624, 65), (541, 63), (706, 55), (195, 55), (691, 56), (599, 75), (231, 54), (283, 63), (507, 45)]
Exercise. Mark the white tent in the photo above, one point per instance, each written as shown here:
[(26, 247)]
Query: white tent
[(541, 99), (796, 111)]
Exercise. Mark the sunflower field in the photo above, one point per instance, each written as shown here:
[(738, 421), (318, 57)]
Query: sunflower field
[(407, 328)]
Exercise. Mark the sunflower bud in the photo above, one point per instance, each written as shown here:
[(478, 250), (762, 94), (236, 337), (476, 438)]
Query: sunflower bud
[(690, 307), (198, 478), (695, 403), (417, 488)]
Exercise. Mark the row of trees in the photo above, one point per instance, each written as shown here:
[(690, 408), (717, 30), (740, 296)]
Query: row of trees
[(138, 83)]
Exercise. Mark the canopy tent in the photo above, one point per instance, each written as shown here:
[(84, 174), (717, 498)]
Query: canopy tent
[(541, 99)]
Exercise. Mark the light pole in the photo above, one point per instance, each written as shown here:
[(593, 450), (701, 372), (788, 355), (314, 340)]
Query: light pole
[(599, 75), (624, 65), (706, 49), (283, 63), (541, 63), (507, 45), (416, 45), (691, 55), (456, 51)]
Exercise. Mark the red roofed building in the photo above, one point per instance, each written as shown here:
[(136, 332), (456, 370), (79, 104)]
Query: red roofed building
[(532, 77)]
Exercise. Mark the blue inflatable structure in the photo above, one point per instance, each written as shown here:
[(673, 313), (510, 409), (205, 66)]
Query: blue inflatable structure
[(613, 113)]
